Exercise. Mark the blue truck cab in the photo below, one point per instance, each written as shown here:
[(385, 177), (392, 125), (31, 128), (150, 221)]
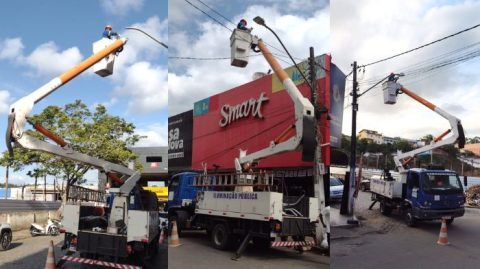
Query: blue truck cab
[(433, 194), (181, 193)]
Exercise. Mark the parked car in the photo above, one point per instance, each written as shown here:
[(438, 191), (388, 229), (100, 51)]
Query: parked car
[(5, 236), (336, 189)]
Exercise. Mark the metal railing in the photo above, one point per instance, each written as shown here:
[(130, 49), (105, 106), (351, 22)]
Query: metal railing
[(81, 194), (258, 179)]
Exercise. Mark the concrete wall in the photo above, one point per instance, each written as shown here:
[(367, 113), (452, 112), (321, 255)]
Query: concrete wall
[(22, 220)]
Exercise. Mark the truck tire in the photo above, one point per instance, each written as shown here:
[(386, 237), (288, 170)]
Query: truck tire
[(410, 220), (5, 239), (385, 209), (181, 218), (363, 187), (221, 237)]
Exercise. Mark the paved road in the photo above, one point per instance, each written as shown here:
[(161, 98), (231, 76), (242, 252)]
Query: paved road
[(386, 242), (32, 252), (196, 252)]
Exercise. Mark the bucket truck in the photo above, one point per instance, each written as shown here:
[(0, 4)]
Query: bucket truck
[(421, 193), (243, 205), (129, 225)]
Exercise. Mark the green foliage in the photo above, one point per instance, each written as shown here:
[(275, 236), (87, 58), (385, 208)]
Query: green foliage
[(94, 133)]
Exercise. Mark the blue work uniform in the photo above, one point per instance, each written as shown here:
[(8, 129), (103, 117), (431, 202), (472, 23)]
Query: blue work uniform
[(108, 34), (242, 26)]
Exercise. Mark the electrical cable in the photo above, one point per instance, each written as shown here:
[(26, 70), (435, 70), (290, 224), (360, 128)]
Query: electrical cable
[(422, 46)]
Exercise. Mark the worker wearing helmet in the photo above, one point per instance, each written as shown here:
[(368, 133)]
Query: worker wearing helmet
[(242, 25), (108, 33)]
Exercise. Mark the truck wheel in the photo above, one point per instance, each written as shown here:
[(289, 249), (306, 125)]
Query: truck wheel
[(449, 221), (410, 220), (5, 240), (221, 237), (385, 209), (363, 187)]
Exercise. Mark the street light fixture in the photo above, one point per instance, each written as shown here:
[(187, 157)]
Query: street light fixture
[(260, 21), (145, 33)]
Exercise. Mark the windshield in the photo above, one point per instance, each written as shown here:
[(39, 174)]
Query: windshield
[(173, 183), (436, 182), (335, 182)]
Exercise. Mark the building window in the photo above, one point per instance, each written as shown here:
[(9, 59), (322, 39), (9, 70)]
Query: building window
[(154, 159)]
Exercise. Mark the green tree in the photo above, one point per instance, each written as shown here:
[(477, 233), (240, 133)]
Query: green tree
[(94, 133), (427, 138)]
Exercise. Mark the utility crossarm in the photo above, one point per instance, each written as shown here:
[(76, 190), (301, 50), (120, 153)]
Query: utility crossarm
[(458, 136), (20, 110), (304, 110)]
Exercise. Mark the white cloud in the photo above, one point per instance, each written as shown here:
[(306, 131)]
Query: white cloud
[(190, 81), (11, 48), (138, 75), (157, 135), (370, 30), (146, 84), (121, 7), (45, 60), (48, 60), (141, 47), (5, 100)]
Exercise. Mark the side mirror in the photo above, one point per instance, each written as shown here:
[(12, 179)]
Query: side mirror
[(465, 181)]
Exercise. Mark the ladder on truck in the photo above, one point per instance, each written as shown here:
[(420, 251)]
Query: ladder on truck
[(260, 180)]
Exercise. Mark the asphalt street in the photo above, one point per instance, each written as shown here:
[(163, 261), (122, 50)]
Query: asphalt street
[(31, 252), (196, 252), (386, 242)]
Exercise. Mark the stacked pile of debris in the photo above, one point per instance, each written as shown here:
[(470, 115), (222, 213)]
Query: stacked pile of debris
[(472, 195)]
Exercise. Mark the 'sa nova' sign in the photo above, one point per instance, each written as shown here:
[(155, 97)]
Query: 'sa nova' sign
[(251, 107)]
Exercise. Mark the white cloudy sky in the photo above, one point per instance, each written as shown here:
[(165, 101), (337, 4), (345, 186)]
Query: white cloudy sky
[(369, 30), (300, 24)]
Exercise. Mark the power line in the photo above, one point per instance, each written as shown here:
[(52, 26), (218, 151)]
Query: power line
[(218, 13), (422, 46), (422, 67), (208, 15), (223, 58)]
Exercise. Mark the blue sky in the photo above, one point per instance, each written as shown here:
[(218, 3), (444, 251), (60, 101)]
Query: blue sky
[(41, 39)]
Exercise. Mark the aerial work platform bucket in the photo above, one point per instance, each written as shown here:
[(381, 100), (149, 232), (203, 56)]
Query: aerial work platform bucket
[(104, 67), (390, 89), (240, 42)]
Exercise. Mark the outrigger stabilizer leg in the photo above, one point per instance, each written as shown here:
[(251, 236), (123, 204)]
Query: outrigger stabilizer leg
[(242, 247)]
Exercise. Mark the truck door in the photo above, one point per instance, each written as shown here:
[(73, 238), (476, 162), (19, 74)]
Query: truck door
[(413, 187)]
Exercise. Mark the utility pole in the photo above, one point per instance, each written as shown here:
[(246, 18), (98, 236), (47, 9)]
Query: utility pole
[(353, 145), (45, 187), (6, 181), (319, 190)]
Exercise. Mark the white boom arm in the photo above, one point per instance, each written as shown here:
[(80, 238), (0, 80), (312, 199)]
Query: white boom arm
[(20, 110), (391, 88), (304, 111)]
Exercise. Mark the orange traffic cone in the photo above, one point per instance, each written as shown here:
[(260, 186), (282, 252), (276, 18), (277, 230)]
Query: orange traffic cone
[(50, 263), (174, 240), (162, 237), (443, 236)]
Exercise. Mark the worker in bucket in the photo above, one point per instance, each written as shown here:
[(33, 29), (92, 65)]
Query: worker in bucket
[(108, 33), (242, 25)]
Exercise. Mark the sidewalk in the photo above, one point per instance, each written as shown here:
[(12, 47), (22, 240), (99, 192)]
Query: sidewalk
[(340, 221), (20, 235)]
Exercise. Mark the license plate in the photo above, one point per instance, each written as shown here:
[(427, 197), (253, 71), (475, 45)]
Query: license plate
[(446, 217), (72, 249)]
